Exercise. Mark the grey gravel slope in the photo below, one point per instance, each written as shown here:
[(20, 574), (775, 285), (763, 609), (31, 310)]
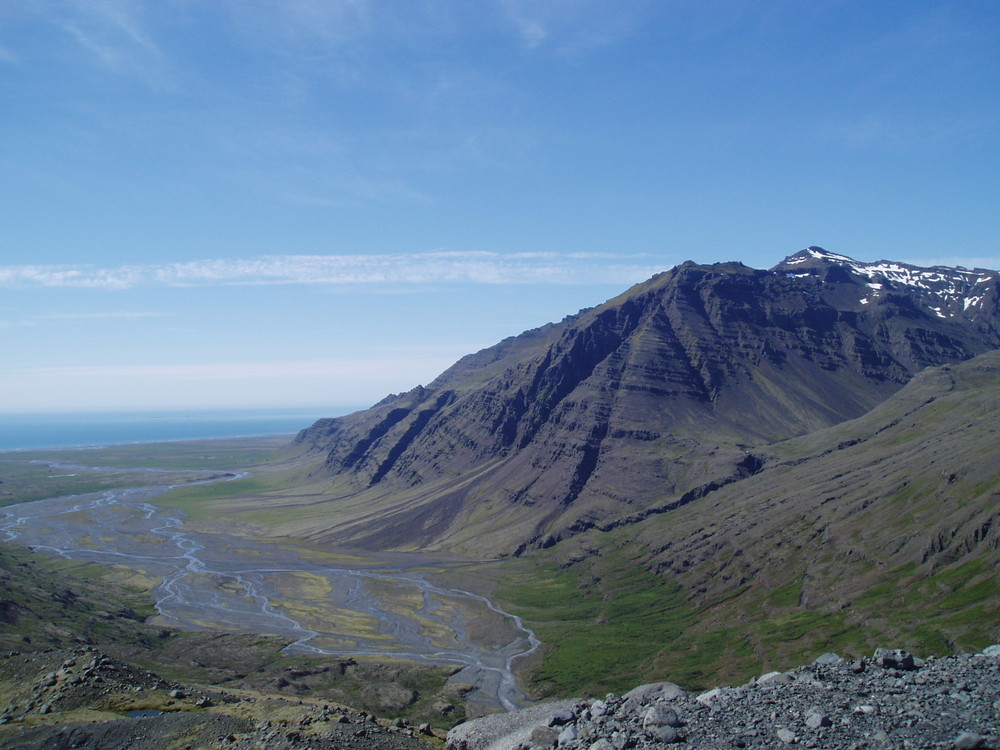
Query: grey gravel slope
[(890, 700)]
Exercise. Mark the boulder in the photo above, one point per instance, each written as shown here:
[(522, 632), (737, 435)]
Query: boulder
[(504, 731), (659, 716), (544, 736), (894, 659), (828, 658), (780, 678)]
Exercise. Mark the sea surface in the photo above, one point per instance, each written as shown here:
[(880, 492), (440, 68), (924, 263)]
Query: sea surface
[(44, 431)]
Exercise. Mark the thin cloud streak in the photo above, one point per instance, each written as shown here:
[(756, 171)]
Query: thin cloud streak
[(104, 316), (398, 268), (117, 34)]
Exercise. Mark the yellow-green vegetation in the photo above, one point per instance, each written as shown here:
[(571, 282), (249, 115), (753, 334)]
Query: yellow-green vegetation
[(305, 597), (303, 585), (223, 453), (408, 600), (100, 575), (35, 475), (260, 503), (50, 606), (132, 578), (954, 608), (194, 499), (22, 481)]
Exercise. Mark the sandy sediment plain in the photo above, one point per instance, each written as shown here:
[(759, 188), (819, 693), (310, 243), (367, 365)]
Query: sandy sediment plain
[(344, 605)]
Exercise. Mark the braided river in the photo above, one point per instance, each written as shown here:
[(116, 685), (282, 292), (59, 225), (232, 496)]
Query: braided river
[(342, 605)]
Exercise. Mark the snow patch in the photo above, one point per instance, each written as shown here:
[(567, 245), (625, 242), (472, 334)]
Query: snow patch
[(826, 255), (946, 291)]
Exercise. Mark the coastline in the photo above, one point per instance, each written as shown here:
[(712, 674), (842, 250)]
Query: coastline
[(59, 431)]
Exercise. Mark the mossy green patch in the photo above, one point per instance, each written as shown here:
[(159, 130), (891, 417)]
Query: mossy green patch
[(609, 622), (192, 499), (602, 632)]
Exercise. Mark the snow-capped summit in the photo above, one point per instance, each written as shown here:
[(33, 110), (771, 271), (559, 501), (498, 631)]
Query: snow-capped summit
[(945, 291)]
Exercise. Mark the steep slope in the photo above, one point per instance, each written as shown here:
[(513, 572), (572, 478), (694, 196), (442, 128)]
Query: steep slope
[(913, 485), (884, 529), (645, 401)]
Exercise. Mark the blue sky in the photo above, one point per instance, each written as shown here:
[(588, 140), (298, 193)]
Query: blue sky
[(313, 203)]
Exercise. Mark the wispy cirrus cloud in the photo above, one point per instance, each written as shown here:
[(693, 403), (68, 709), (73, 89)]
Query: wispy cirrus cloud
[(570, 28), (396, 268), (122, 277), (121, 315), (115, 33)]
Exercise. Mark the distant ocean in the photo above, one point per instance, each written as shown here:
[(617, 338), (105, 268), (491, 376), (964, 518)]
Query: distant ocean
[(40, 431)]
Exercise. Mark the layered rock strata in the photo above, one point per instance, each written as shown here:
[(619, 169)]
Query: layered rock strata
[(647, 401)]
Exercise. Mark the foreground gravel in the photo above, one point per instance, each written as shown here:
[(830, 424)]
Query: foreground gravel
[(890, 700)]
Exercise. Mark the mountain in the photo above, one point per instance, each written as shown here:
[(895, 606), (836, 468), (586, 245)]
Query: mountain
[(882, 529), (639, 405), (914, 484)]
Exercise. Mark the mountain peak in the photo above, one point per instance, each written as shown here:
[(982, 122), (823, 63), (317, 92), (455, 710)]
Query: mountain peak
[(640, 403), (945, 291), (813, 253)]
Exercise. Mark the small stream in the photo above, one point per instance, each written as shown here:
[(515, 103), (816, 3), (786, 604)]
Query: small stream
[(223, 582)]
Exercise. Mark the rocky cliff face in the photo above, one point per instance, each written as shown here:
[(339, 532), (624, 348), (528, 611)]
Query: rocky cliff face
[(646, 401)]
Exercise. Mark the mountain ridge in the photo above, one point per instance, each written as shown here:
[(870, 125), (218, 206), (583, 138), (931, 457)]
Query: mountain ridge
[(649, 396), (885, 528)]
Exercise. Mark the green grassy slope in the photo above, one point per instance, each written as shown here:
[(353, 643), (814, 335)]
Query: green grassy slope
[(52, 603), (880, 531)]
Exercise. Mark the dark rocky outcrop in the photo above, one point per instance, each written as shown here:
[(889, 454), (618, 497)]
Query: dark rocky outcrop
[(643, 400)]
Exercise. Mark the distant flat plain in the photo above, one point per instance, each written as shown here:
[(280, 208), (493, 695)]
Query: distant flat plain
[(222, 574)]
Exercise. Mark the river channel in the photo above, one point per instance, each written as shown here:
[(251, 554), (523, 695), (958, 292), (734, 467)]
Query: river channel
[(357, 606)]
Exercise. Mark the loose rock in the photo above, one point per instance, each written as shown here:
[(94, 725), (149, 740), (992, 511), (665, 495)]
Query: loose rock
[(893, 700)]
